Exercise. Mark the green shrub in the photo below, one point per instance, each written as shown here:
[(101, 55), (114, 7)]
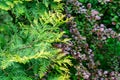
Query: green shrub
[(59, 39), (27, 31)]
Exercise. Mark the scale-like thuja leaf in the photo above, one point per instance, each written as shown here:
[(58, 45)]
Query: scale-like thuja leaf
[(26, 38)]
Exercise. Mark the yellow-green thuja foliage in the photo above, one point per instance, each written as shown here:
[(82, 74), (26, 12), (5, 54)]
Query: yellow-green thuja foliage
[(27, 30)]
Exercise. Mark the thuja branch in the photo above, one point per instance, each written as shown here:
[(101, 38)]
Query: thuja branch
[(12, 15)]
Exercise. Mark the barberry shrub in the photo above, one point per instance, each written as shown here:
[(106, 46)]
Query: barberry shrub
[(95, 38)]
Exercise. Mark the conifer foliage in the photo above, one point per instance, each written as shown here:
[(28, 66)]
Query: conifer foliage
[(27, 31)]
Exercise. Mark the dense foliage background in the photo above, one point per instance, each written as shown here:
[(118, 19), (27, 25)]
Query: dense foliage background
[(59, 39)]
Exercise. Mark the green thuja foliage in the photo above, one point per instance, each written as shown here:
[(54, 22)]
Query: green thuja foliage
[(27, 30)]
